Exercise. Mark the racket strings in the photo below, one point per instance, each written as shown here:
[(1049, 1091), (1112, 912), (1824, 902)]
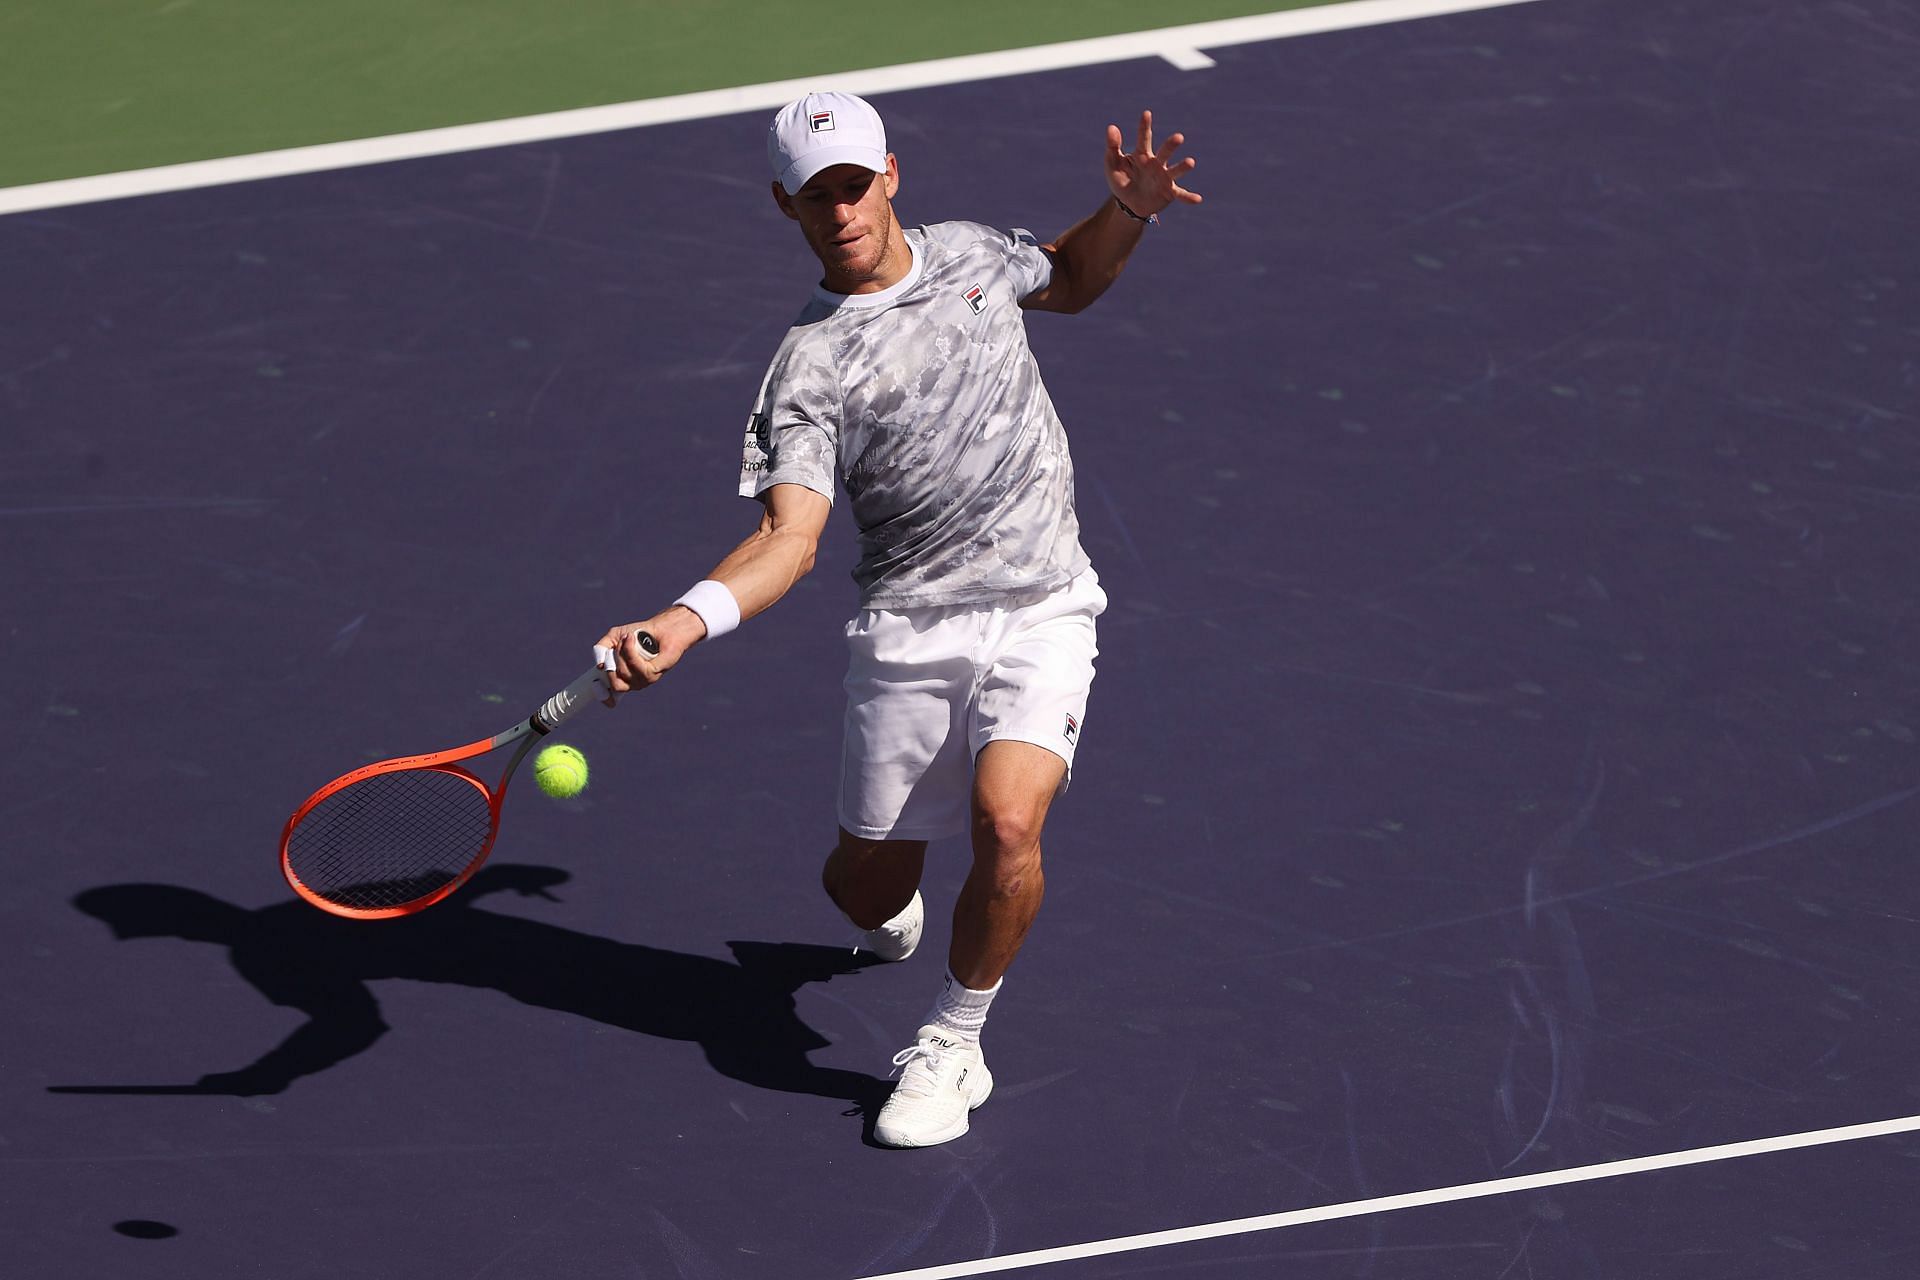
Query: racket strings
[(391, 839)]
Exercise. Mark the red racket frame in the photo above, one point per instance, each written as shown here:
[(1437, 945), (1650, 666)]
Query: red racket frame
[(438, 762), (587, 687)]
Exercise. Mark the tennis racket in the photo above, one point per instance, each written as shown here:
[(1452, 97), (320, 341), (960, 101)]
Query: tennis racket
[(395, 837)]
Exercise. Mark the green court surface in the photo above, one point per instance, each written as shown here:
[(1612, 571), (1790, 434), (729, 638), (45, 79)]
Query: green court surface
[(100, 86)]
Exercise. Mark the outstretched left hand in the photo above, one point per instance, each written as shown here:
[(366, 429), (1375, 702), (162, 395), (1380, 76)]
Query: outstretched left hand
[(1142, 180)]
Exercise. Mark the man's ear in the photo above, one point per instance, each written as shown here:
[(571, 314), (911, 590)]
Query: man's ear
[(893, 176), (785, 201)]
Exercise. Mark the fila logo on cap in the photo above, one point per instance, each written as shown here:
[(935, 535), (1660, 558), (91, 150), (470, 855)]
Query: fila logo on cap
[(976, 298), (822, 130)]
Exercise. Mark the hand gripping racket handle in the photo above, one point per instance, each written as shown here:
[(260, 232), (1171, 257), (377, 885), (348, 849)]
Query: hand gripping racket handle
[(589, 687)]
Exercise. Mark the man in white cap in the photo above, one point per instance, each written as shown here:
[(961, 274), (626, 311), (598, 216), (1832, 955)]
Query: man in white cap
[(907, 378)]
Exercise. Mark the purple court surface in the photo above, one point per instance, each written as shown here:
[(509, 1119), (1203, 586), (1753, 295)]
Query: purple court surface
[(1503, 757)]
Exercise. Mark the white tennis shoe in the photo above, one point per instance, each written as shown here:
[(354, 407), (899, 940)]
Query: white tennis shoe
[(896, 939), (942, 1079)]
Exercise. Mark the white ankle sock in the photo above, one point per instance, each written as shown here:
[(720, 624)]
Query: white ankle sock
[(962, 1010)]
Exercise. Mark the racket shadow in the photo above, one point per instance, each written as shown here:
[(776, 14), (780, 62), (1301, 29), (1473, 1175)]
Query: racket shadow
[(740, 1013)]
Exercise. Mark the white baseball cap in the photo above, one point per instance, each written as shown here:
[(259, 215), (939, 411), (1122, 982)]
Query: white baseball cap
[(821, 130)]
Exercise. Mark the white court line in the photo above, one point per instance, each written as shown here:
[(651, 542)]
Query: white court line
[(1386, 1204), (1178, 45)]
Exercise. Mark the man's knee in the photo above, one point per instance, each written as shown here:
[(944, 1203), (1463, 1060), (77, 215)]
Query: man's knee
[(1006, 843), (860, 871), (1008, 829), (1014, 786)]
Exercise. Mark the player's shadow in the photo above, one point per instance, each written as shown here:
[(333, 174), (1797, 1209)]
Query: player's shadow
[(741, 1014)]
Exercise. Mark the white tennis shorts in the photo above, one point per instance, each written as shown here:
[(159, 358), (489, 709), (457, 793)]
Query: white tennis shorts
[(928, 688)]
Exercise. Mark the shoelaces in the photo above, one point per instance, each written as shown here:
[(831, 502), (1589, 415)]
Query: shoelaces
[(917, 1064)]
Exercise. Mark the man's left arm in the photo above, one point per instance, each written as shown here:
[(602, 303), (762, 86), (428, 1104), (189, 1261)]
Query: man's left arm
[(1089, 255)]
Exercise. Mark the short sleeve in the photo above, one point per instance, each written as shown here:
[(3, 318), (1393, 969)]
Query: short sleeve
[(793, 433), (1028, 265)]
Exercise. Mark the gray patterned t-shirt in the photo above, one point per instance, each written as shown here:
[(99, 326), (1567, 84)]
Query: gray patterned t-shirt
[(926, 402)]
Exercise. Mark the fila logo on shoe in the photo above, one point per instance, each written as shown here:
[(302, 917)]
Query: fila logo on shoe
[(961, 1083)]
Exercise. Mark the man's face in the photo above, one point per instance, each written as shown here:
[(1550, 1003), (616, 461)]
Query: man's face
[(846, 213)]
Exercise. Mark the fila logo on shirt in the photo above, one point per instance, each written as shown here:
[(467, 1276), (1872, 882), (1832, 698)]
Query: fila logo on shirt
[(821, 122), (1072, 730), (976, 298)]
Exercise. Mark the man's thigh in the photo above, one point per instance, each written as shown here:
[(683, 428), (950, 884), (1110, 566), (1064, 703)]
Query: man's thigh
[(1014, 784), (1035, 689)]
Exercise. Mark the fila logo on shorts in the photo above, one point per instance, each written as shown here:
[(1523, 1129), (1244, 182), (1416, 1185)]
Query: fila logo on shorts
[(1072, 730), (821, 122), (977, 299)]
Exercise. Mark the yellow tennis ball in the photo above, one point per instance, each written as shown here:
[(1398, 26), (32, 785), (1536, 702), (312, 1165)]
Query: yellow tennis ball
[(560, 771)]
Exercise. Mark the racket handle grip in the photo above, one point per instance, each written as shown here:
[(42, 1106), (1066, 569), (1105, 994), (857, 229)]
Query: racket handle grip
[(588, 687)]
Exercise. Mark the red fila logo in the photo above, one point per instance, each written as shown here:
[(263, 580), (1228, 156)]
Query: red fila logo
[(1072, 730), (977, 299), (820, 121)]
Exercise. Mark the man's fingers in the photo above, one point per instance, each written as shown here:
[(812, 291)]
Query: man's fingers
[(637, 661), (1146, 133), (613, 684), (625, 663), (631, 650), (1171, 145)]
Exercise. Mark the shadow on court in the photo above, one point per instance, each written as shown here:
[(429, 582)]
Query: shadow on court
[(741, 1014)]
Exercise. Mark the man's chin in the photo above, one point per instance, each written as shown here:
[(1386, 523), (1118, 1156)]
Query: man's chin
[(850, 258), (851, 272)]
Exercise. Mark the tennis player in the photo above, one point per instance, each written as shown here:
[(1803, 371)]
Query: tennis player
[(907, 378)]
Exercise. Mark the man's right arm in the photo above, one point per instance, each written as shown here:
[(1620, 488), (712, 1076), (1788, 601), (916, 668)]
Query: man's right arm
[(756, 574)]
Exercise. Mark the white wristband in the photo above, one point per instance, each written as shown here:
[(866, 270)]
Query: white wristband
[(715, 605)]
